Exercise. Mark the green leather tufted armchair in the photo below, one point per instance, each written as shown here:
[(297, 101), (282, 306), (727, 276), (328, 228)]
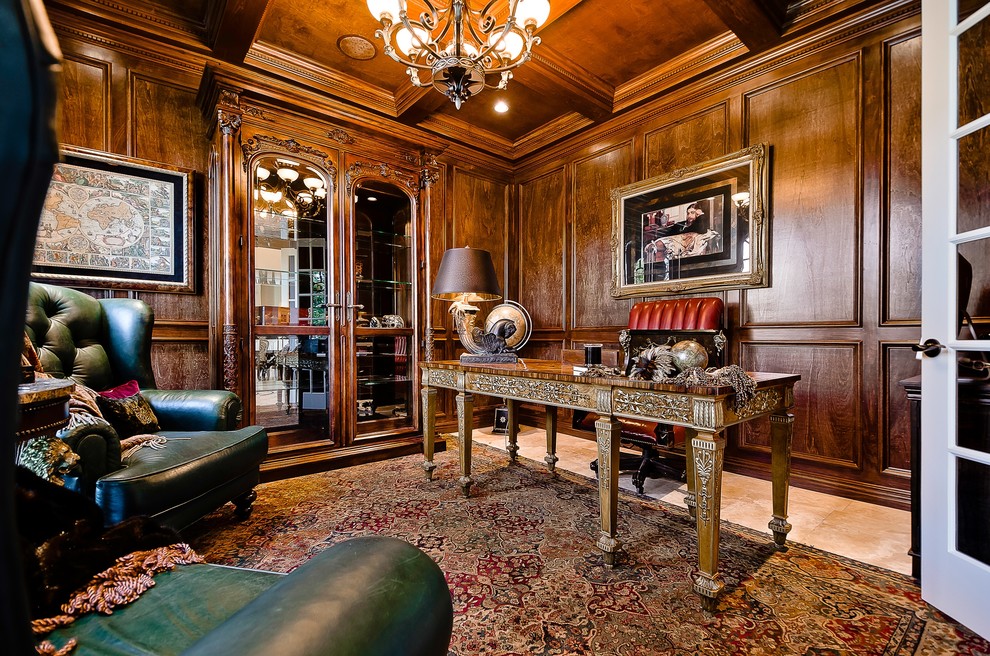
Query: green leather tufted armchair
[(206, 462)]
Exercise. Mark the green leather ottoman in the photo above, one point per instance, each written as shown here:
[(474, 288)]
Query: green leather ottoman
[(195, 473)]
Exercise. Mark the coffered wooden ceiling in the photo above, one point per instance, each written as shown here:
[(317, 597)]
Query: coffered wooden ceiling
[(597, 58)]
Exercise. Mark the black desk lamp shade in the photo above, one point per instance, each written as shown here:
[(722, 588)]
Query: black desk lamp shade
[(466, 274)]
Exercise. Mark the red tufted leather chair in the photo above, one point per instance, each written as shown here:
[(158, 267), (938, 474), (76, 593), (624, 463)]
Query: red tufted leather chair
[(674, 314)]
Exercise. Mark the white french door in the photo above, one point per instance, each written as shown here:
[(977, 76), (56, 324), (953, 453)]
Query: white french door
[(955, 451)]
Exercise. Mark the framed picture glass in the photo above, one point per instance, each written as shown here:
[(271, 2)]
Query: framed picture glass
[(117, 222), (700, 228)]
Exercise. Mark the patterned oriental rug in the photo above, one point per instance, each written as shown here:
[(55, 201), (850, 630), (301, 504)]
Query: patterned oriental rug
[(526, 577)]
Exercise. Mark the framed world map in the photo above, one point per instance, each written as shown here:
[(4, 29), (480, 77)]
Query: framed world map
[(117, 222)]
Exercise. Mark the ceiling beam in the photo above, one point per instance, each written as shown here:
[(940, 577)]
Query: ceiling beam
[(236, 28), (749, 20), (549, 73), (414, 104)]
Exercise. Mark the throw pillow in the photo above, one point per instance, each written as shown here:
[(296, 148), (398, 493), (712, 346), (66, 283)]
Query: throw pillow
[(129, 415), (122, 391)]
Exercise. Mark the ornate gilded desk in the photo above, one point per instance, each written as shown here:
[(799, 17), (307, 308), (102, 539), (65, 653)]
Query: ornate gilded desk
[(705, 412)]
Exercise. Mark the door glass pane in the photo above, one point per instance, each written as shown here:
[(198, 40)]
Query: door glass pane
[(967, 7), (973, 412), (973, 509), (290, 243), (383, 255), (974, 69), (384, 271), (384, 385), (973, 202), (291, 382), (974, 286)]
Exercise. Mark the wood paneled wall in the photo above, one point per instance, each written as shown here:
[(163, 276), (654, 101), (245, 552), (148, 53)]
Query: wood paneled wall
[(843, 123), (136, 104), (480, 211)]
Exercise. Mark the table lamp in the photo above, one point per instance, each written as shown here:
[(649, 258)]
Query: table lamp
[(467, 276)]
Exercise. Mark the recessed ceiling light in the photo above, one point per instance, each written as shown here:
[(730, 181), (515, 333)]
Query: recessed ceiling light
[(501, 107), (372, 198)]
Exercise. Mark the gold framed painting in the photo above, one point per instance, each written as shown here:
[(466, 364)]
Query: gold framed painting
[(116, 222), (701, 228)]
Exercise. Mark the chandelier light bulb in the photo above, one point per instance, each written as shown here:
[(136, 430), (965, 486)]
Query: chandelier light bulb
[(405, 42), (262, 173), (531, 12), (287, 174), (513, 45), (384, 9), (320, 193), (313, 183), (271, 196)]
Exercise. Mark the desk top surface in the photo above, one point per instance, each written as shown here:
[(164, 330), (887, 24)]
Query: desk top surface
[(554, 370)]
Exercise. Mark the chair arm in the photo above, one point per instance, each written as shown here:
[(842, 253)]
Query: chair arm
[(193, 410), (370, 596), (98, 448)]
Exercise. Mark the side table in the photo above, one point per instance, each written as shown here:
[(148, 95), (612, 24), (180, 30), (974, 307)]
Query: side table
[(42, 409)]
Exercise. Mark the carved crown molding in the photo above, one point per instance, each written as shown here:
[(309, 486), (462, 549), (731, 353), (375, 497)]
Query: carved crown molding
[(287, 64), (261, 142), (340, 136), (154, 52), (158, 19), (382, 170)]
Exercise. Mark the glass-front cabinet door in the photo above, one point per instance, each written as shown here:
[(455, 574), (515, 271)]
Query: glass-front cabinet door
[(382, 308), (292, 332)]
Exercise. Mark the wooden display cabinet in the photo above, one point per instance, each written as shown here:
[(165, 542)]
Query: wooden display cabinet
[(315, 289)]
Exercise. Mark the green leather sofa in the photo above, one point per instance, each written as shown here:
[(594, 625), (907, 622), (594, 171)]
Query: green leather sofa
[(205, 463)]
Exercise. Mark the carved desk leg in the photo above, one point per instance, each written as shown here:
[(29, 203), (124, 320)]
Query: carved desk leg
[(607, 430), (551, 457), (465, 416), (512, 436), (781, 432), (709, 451), (690, 500), (429, 395)]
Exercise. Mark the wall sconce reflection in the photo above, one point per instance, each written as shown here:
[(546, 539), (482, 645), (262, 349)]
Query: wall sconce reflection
[(741, 199)]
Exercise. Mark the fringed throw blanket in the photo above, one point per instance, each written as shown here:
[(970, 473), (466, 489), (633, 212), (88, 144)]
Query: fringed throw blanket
[(732, 376), (116, 586)]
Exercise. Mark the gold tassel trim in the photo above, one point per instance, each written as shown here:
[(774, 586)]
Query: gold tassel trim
[(116, 586)]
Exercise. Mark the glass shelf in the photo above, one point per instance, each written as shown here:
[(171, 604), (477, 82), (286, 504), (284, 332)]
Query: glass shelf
[(382, 233), (369, 281), (367, 381)]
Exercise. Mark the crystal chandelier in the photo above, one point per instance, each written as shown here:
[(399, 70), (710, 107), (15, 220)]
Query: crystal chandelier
[(460, 46)]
